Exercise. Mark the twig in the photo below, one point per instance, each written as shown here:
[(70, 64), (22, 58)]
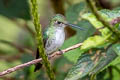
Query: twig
[(18, 67), (39, 38), (91, 4)]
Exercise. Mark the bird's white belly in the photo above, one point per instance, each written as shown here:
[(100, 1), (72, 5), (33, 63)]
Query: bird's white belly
[(60, 37), (56, 41)]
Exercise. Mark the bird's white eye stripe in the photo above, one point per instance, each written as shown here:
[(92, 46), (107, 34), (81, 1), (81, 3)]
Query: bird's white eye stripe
[(56, 21)]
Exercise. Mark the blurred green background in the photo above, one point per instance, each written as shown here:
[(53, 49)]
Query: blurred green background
[(17, 35)]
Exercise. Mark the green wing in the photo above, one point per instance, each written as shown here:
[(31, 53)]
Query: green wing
[(45, 36)]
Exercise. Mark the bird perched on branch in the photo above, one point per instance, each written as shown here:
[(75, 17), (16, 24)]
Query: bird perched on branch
[(54, 35)]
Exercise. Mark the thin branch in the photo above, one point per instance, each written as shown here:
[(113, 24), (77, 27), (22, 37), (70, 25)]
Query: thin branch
[(18, 67), (91, 4), (39, 38)]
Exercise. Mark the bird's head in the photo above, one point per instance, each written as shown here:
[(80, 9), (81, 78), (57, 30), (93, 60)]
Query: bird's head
[(59, 21)]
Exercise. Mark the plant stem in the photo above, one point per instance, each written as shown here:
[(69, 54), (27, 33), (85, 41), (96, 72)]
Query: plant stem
[(93, 77), (40, 40)]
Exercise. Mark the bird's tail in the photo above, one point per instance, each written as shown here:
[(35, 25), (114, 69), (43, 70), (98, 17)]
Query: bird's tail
[(38, 65)]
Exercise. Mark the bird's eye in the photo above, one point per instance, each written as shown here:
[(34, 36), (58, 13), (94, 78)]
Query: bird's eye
[(59, 22)]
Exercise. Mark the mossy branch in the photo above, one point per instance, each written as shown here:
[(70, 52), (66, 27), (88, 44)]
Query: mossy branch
[(91, 4), (40, 39)]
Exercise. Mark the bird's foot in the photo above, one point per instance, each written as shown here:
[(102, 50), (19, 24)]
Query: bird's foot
[(60, 52)]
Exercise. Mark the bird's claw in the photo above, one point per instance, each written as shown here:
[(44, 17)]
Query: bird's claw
[(60, 52)]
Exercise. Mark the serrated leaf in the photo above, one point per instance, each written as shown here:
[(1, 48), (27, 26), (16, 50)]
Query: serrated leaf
[(91, 63), (90, 17), (93, 42), (85, 64), (116, 48), (82, 68), (106, 14), (105, 59), (112, 13)]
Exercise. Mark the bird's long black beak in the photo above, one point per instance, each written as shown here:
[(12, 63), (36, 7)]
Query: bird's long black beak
[(74, 26)]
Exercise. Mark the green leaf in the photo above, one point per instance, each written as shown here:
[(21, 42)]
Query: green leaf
[(106, 34), (116, 48), (85, 65), (74, 54), (105, 60), (90, 17), (87, 32), (73, 16), (99, 58), (95, 41), (92, 62), (106, 14), (112, 13), (81, 69), (79, 37), (72, 13)]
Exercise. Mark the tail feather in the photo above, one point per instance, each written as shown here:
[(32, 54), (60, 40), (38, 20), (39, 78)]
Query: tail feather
[(37, 54), (38, 65)]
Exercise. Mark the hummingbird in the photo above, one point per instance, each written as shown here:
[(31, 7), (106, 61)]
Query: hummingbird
[(54, 36)]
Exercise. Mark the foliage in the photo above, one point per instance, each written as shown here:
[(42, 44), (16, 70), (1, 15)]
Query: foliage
[(88, 30), (99, 54), (101, 50)]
